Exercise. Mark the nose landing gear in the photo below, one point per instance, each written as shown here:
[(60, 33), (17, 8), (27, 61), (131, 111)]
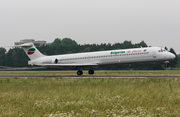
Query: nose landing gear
[(167, 64)]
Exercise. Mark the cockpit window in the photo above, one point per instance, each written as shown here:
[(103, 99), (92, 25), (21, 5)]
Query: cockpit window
[(162, 50)]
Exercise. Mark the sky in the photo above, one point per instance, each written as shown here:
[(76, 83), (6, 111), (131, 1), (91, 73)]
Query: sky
[(157, 22)]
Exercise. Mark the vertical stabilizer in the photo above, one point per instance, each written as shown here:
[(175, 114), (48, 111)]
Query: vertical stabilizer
[(31, 51)]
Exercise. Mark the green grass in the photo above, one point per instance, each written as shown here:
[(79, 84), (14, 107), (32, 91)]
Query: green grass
[(97, 73), (54, 97)]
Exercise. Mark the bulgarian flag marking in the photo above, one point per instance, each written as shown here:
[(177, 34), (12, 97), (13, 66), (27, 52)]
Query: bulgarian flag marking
[(31, 51), (145, 50)]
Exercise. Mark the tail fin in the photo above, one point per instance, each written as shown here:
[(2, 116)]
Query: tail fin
[(31, 51)]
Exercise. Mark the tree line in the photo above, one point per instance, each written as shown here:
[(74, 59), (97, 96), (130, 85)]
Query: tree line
[(16, 57)]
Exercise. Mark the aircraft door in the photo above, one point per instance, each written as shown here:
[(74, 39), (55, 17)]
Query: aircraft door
[(154, 54)]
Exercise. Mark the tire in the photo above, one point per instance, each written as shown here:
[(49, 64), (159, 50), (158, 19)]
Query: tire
[(79, 72), (91, 71)]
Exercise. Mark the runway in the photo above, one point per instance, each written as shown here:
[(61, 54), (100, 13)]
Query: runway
[(89, 76)]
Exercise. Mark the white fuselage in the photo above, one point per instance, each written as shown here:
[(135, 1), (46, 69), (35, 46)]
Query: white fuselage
[(111, 57)]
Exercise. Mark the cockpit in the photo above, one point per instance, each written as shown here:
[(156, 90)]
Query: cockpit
[(163, 54), (162, 50)]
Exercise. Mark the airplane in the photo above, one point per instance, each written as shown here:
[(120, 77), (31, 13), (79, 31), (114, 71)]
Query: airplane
[(95, 59)]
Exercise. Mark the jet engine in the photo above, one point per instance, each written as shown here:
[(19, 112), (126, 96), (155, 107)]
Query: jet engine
[(54, 61)]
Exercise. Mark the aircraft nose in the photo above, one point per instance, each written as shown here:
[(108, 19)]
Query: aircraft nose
[(172, 56)]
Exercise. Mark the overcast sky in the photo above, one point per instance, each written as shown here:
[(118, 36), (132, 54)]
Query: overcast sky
[(157, 22)]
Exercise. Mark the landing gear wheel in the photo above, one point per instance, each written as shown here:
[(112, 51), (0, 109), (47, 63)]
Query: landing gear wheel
[(91, 71), (79, 72)]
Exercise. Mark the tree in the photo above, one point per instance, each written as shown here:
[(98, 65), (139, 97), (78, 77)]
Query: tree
[(166, 48), (2, 56), (127, 44), (143, 44), (55, 47), (87, 49), (22, 58), (56, 42), (16, 57), (178, 64), (69, 45), (173, 63), (8, 59)]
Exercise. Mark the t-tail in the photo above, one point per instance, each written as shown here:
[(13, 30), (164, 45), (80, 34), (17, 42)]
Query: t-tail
[(31, 51)]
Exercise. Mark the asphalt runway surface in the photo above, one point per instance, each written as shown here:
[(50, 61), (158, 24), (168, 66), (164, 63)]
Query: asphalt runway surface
[(89, 76)]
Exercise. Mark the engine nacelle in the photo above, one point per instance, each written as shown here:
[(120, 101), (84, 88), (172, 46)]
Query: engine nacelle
[(54, 61)]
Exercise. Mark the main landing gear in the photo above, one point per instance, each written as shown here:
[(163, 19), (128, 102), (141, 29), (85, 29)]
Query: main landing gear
[(80, 72), (91, 71)]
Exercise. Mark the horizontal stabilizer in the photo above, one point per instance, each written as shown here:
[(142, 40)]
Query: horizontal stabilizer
[(26, 45), (23, 45)]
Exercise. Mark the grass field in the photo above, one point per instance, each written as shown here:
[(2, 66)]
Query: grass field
[(97, 73), (59, 97)]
